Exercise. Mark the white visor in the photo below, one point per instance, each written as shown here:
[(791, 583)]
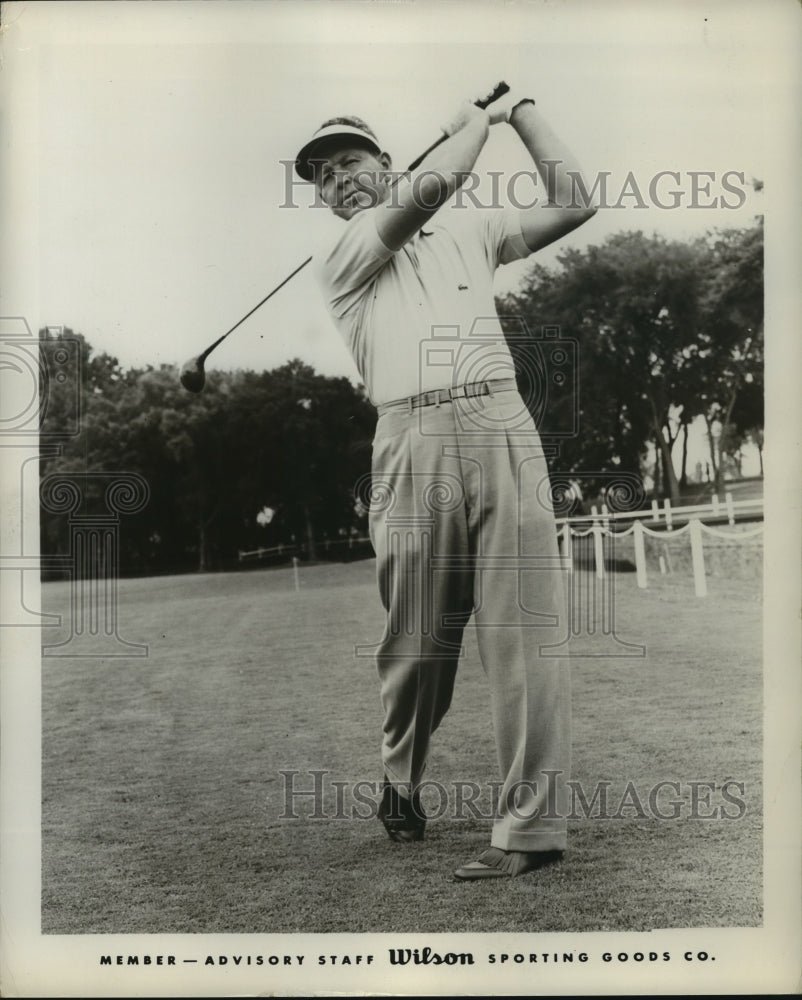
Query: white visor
[(322, 138)]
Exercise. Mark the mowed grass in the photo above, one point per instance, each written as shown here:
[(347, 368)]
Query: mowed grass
[(163, 801)]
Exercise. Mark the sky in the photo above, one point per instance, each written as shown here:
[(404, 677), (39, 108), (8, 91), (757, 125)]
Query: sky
[(146, 184)]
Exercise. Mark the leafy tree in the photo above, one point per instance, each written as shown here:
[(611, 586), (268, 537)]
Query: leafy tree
[(730, 354), (666, 331), (632, 304), (289, 439)]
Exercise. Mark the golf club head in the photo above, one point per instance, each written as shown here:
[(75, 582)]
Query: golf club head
[(193, 375)]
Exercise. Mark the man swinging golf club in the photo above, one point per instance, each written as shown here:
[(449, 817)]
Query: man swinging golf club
[(457, 521)]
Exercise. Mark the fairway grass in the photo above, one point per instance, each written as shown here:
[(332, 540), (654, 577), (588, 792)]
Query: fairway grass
[(164, 806)]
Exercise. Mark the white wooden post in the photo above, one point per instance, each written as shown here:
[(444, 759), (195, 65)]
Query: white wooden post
[(655, 511), (730, 508), (640, 555), (662, 565), (716, 505), (598, 550), (667, 506), (698, 556), (295, 572)]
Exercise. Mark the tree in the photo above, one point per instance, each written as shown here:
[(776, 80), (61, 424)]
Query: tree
[(289, 439), (730, 356), (633, 306), (665, 331)]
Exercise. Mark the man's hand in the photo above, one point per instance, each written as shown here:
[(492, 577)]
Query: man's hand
[(501, 111), (467, 113)]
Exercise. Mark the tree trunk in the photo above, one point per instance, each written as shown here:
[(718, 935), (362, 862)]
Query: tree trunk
[(310, 534), (711, 441), (658, 465), (683, 480), (669, 475), (202, 556), (725, 423)]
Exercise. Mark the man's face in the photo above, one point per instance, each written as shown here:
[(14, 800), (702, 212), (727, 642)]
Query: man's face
[(352, 178)]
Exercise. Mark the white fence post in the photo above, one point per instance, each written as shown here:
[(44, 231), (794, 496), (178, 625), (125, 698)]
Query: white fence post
[(655, 511), (667, 507), (640, 555), (716, 505), (698, 556), (598, 549)]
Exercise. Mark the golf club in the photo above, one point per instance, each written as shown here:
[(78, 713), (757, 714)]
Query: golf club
[(193, 373)]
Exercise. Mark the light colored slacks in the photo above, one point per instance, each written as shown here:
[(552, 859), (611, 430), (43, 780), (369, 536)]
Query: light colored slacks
[(461, 523)]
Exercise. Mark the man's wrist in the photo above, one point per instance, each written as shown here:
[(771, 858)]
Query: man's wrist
[(520, 107)]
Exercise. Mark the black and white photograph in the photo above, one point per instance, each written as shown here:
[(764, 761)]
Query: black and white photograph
[(401, 498)]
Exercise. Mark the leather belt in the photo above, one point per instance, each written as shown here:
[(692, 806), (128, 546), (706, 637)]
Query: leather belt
[(436, 397)]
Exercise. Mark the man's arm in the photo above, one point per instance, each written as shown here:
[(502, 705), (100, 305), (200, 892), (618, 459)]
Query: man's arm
[(552, 217), (417, 199)]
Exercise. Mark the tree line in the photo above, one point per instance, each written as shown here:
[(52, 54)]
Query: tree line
[(651, 334), (665, 332)]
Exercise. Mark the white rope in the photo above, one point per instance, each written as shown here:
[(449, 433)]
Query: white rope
[(666, 535), (622, 534), (736, 536)]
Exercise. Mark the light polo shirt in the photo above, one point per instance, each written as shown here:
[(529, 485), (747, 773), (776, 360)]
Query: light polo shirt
[(422, 317)]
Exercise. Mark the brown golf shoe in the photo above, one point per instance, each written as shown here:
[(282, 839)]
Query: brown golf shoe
[(495, 863)]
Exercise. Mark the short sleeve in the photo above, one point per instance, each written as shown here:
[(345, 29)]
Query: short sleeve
[(346, 266), (503, 235)]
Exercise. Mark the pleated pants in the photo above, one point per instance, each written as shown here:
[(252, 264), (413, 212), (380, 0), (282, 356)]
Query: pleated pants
[(462, 524)]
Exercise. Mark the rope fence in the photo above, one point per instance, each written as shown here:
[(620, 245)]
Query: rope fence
[(658, 526), (283, 551), (672, 525)]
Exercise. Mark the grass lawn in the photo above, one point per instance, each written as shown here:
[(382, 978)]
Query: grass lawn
[(163, 801)]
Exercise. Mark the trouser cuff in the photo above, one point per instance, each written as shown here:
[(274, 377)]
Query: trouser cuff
[(546, 840)]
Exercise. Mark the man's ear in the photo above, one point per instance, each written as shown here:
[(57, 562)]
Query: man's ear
[(386, 162)]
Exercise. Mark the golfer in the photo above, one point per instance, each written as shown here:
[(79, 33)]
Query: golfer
[(459, 519)]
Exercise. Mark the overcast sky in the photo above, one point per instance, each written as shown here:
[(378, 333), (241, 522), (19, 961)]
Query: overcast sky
[(143, 142)]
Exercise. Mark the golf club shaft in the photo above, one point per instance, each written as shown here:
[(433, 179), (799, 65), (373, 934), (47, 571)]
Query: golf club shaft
[(258, 305), (501, 89)]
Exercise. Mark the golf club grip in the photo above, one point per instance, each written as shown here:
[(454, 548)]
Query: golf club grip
[(499, 91)]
